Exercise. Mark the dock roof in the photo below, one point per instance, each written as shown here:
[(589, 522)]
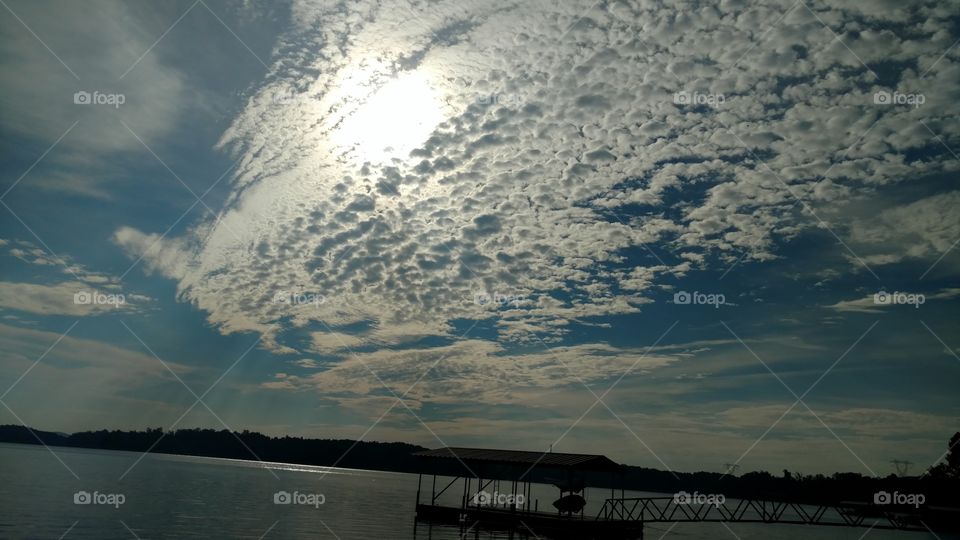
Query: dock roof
[(553, 460)]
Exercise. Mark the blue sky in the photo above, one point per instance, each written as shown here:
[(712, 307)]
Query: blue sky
[(659, 233)]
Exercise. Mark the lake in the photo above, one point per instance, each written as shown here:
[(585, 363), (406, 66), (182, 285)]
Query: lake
[(166, 496)]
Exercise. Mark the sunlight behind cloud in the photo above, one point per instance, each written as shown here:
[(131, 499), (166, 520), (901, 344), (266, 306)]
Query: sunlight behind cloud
[(394, 120)]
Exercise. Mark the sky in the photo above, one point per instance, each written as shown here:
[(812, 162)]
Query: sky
[(683, 235)]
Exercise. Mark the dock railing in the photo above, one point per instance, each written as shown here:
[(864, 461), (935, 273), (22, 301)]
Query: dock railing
[(669, 509)]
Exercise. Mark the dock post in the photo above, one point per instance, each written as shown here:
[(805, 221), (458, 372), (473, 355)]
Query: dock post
[(419, 479)]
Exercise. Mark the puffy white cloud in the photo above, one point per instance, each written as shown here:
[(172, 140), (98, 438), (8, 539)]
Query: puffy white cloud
[(560, 149)]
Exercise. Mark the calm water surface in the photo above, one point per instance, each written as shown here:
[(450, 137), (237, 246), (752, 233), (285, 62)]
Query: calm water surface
[(190, 497)]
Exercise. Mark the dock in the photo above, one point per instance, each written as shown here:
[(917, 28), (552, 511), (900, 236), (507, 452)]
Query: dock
[(495, 488)]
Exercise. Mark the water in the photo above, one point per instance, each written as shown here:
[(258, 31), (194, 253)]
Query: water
[(191, 497)]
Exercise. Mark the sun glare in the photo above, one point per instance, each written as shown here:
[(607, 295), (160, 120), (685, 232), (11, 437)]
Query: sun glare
[(393, 120)]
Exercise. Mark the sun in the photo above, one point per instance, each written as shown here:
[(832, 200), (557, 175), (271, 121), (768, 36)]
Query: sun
[(392, 120)]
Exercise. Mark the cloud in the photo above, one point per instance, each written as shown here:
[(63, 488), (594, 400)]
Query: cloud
[(82, 382), (874, 304), (583, 159), (923, 229), (84, 292), (98, 43), (72, 298), (470, 371)]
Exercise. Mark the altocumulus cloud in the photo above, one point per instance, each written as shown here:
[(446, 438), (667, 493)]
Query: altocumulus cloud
[(551, 143)]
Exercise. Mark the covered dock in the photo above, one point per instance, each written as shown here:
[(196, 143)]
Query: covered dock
[(494, 490)]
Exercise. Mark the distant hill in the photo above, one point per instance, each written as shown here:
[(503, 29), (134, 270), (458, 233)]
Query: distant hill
[(224, 444), (940, 485)]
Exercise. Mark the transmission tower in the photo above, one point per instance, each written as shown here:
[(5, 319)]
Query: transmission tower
[(731, 467), (902, 466)]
